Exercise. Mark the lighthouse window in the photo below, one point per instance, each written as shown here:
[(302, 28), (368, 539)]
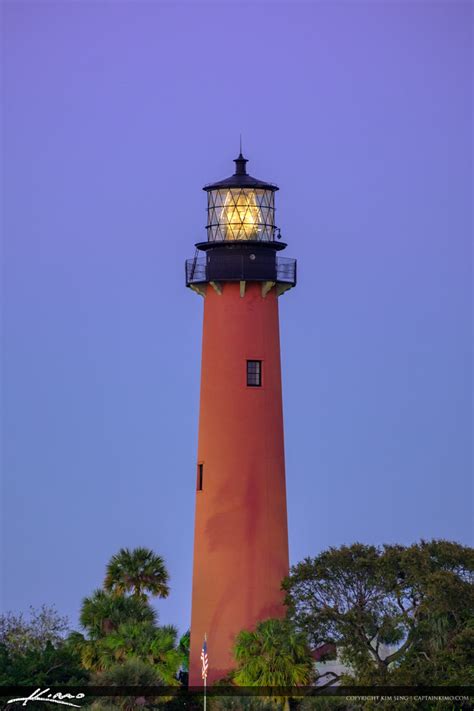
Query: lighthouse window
[(254, 373), (200, 473)]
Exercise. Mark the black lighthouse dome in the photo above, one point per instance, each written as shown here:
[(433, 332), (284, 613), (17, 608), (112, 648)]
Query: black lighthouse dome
[(240, 179)]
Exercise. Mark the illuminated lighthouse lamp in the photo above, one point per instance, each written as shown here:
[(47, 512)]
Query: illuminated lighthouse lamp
[(241, 207)]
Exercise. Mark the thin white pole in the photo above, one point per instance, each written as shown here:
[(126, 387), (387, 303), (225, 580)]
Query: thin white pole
[(205, 678)]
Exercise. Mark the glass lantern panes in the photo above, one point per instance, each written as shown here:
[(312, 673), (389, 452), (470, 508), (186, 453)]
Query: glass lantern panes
[(241, 214)]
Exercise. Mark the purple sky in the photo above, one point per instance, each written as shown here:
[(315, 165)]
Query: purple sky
[(115, 115)]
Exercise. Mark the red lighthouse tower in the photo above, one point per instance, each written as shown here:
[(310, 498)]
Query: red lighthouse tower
[(241, 535)]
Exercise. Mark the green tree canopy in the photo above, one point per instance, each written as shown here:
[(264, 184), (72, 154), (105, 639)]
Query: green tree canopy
[(274, 654), (43, 625), (49, 666), (184, 646), (156, 646), (132, 672), (417, 600), (34, 649), (103, 612), (121, 628)]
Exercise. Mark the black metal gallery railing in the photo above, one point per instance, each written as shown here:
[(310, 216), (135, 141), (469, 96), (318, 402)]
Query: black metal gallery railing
[(240, 268)]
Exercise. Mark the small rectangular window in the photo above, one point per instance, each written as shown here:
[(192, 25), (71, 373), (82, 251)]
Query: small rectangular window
[(254, 373), (200, 474)]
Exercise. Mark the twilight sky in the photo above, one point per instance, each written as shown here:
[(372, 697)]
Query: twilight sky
[(115, 115)]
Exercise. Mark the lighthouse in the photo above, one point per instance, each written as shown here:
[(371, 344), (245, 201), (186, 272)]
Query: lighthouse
[(241, 531)]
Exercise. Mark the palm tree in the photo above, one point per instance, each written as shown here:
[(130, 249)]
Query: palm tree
[(138, 571), (165, 654), (103, 612), (275, 654), (154, 646), (129, 641), (183, 646)]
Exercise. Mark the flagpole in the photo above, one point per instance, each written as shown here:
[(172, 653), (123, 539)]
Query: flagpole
[(205, 662)]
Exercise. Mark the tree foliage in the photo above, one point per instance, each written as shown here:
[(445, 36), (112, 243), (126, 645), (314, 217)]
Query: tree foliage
[(52, 665), (417, 601), (121, 625), (44, 624), (132, 672), (274, 654), (103, 612), (140, 572), (122, 639), (34, 649), (143, 641), (184, 647)]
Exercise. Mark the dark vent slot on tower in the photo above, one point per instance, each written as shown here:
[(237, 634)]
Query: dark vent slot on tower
[(200, 474), (254, 373)]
